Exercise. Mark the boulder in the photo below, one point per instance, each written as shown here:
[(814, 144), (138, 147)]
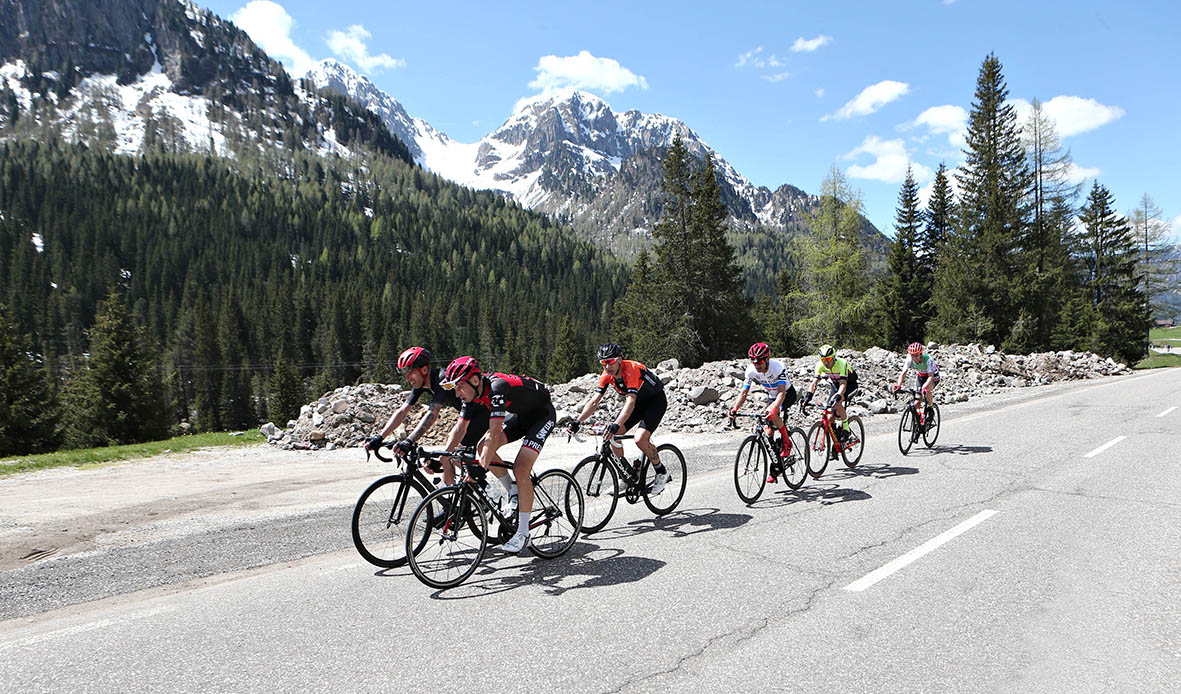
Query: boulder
[(881, 406), (702, 395), (668, 365), (340, 406)]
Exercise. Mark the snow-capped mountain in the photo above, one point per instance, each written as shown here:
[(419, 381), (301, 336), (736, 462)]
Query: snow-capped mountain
[(135, 75), (568, 154)]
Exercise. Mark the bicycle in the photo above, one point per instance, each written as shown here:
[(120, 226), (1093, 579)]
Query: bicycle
[(754, 453), (449, 543), (824, 445), (599, 476), (917, 421), (379, 532)]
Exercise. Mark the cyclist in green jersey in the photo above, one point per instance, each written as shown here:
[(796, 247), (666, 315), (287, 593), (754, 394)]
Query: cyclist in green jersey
[(842, 379)]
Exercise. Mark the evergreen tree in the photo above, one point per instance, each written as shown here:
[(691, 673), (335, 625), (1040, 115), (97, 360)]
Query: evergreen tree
[(977, 283), (235, 404), (286, 393), (903, 301), (569, 358), (1160, 261), (940, 213), (29, 411), (1110, 256), (117, 397)]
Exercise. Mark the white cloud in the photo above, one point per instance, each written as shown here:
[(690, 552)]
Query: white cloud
[(819, 92), (1077, 174), (755, 58), (808, 45), (1072, 115), (350, 44), (943, 120), (777, 77), (584, 71), (269, 25), (870, 99), (890, 161)]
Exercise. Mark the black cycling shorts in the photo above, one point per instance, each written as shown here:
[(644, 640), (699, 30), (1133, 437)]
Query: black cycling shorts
[(648, 413), (852, 385), (477, 426), (919, 380), (789, 397), (534, 428)]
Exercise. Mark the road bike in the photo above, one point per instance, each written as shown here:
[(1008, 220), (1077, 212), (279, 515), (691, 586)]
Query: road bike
[(448, 532), (601, 474), (759, 453), (381, 513), (917, 420), (823, 443)]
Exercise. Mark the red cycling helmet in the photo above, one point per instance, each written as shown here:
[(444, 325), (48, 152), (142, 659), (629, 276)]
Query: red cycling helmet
[(413, 358), (758, 351), (459, 370), (915, 348)]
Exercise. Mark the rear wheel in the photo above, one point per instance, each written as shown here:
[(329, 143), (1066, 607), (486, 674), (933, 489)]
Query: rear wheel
[(557, 514), (854, 444), (451, 551), (668, 498), (750, 469), (819, 446), (795, 464), (931, 433), (381, 517), (906, 432), (600, 491)]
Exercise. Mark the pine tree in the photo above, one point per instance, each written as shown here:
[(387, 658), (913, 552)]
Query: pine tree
[(722, 317), (940, 213), (117, 396), (977, 284), (903, 300), (1110, 256), (569, 358), (286, 393), (29, 410)]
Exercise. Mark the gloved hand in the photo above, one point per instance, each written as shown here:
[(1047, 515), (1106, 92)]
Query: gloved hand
[(733, 412), (772, 411), (807, 399), (573, 426), (373, 443), (613, 428), (405, 446)]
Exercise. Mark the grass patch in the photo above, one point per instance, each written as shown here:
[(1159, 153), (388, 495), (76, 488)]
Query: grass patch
[(1164, 334), (1157, 361), (90, 456)]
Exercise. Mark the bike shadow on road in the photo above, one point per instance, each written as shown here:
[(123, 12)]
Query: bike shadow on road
[(824, 494), (681, 523), (876, 470), (586, 565), (953, 449)]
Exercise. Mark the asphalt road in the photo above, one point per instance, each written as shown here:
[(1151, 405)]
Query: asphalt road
[(1020, 554)]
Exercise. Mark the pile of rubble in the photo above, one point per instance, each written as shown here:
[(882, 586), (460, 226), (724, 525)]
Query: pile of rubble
[(700, 397)]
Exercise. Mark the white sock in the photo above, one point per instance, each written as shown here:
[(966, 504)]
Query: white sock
[(507, 481), (523, 522)]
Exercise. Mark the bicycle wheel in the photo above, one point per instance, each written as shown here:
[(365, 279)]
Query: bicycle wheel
[(750, 469), (931, 433), (557, 514), (818, 448), (678, 475), (854, 444), (795, 465), (600, 492), (381, 517), (906, 430), (451, 551)]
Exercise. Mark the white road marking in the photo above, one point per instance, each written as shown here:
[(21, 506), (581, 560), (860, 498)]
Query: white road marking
[(1162, 414), (82, 628), (874, 576), (1105, 446)]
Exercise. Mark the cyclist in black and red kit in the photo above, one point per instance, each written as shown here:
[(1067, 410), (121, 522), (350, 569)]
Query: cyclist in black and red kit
[(644, 406), (415, 366), (519, 408)]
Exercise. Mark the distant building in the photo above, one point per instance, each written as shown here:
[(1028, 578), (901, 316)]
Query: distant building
[(1164, 322)]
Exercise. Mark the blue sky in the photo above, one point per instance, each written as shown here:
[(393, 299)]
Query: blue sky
[(783, 90)]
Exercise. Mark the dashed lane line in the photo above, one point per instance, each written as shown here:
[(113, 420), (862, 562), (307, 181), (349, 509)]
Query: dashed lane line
[(913, 555), (1105, 446), (1162, 414)]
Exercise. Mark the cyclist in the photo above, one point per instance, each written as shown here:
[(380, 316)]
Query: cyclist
[(644, 405), (773, 376), (519, 408), (925, 369), (415, 366), (842, 380)]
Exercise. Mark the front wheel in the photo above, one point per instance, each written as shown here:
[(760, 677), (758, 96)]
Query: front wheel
[(906, 430), (750, 469), (664, 501), (557, 514), (600, 491), (795, 464), (854, 444), (451, 550), (819, 446), (931, 432), (381, 517)]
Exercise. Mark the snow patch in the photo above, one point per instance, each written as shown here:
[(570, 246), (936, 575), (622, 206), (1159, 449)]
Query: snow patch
[(38, 242)]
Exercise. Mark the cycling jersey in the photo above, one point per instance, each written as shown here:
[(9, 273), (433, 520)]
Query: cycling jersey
[(633, 377), (775, 376), (925, 366), (505, 394), (839, 371), (438, 394)]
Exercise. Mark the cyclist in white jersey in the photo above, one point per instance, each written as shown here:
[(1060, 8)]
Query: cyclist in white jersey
[(775, 379), (925, 369)]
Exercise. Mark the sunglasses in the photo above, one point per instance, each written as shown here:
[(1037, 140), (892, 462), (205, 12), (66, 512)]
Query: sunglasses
[(608, 362), (449, 385), (759, 361)]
